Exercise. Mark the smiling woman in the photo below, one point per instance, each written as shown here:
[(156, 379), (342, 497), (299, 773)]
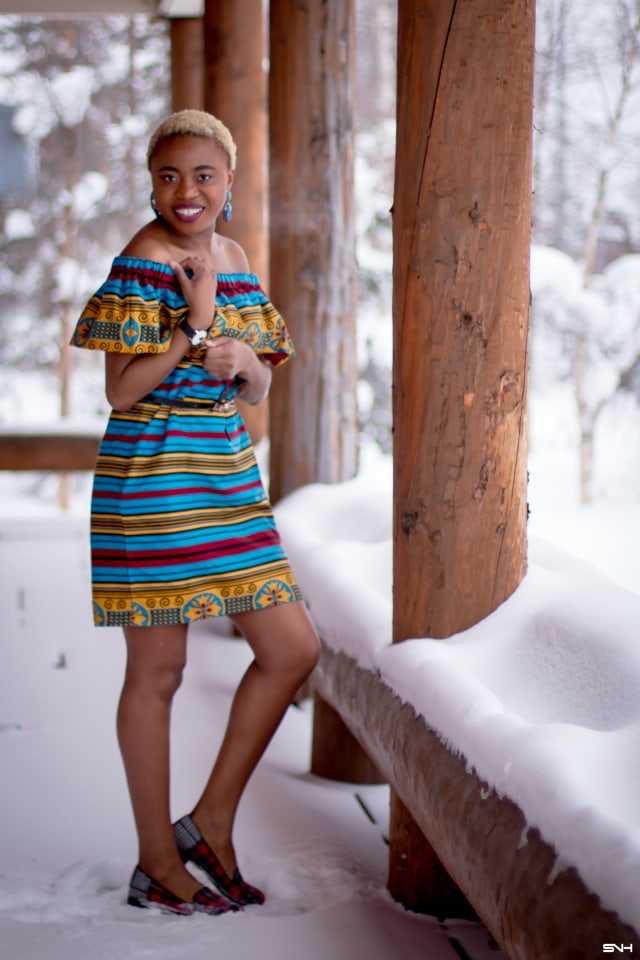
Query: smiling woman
[(181, 525)]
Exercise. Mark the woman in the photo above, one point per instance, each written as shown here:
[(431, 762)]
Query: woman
[(181, 526)]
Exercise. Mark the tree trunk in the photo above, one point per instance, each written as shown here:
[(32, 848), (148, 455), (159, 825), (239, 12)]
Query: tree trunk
[(313, 405), (587, 414), (461, 219)]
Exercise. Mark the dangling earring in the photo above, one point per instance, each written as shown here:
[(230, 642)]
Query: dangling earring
[(154, 206), (227, 210)]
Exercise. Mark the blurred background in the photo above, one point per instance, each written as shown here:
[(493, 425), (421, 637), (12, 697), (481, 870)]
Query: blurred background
[(78, 99)]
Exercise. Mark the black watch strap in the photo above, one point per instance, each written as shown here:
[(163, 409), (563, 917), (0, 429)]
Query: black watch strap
[(194, 336)]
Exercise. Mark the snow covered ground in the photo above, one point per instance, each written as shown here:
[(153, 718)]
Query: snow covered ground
[(67, 844), (561, 736)]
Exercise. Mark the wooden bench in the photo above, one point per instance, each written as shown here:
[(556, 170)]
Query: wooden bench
[(461, 845)]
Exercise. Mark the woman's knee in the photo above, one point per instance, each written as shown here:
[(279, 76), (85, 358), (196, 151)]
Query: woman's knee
[(155, 663), (287, 641)]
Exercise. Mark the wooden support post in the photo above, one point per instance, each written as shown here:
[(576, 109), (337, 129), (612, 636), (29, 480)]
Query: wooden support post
[(335, 752), (187, 63), (461, 224), (313, 403), (235, 90), (417, 879)]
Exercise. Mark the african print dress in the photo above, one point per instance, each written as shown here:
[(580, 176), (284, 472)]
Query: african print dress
[(181, 526)]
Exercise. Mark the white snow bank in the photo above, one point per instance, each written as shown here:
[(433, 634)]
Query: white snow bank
[(542, 697)]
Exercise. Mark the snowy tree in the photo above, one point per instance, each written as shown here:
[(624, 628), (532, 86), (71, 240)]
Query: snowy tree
[(588, 94), (82, 96)]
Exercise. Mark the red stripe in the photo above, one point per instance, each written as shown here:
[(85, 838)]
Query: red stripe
[(207, 551)]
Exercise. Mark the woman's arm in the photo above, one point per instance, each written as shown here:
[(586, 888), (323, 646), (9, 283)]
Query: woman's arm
[(131, 377)]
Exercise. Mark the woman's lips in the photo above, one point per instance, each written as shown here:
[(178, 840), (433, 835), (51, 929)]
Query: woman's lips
[(187, 213)]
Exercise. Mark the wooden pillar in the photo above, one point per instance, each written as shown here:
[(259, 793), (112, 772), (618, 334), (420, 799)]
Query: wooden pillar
[(187, 63), (461, 223), (311, 90), (335, 752), (416, 876), (236, 92)]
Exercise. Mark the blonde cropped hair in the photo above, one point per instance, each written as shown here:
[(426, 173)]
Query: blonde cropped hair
[(194, 123)]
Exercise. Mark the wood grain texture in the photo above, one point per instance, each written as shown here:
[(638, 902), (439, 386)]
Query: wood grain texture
[(312, 241), (461, 220)]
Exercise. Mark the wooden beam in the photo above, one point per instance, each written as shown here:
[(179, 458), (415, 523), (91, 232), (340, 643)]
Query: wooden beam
[(41, 451), (532, 909), (311, 92)]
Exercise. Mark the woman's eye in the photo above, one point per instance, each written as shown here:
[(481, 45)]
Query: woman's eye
[(168, 178), (205, 177)]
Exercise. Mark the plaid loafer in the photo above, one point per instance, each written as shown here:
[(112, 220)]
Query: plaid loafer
[(144, 891), (195, 849)]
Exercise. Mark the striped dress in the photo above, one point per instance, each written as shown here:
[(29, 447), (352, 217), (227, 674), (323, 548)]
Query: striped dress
[(181, 526)]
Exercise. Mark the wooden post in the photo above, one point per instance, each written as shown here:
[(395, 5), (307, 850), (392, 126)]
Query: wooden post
[(313, 405), (236, 91), (416, 876), (461, 222), (187, 63), (335, 752)]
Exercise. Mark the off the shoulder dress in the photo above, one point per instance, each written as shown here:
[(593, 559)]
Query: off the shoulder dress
[(181, 526)]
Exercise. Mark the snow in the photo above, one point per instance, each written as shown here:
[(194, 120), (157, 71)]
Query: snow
[(68, 846), (542, 697), (18, 225), (71, 93)]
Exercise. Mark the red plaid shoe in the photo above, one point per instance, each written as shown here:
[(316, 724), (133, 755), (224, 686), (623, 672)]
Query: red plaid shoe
[(193, 847), (144, 891)]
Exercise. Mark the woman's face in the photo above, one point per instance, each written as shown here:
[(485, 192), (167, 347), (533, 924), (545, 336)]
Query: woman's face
[(190, 177)]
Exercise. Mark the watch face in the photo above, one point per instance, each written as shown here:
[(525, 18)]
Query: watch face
[(199, 336)]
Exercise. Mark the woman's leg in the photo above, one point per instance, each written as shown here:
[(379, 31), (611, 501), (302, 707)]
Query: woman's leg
[(155, 662), (286, 649)]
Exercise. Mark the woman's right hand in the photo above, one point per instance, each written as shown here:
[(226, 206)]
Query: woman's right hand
[(199, 284)]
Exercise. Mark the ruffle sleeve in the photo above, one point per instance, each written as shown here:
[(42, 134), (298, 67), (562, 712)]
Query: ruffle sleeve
[(244, 311), (134, 311)]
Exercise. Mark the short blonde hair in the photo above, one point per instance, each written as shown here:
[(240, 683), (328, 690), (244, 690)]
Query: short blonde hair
[(194, 123)]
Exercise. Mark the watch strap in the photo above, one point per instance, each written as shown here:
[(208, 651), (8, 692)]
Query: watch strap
[(194, 336)]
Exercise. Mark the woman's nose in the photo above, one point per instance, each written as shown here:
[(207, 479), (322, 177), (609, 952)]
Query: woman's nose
[(187, 189)]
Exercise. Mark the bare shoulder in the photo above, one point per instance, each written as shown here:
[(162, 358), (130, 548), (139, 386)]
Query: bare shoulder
[(232, 258), (147, 244)]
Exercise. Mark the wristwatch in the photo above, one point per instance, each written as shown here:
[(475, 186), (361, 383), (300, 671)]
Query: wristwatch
[(195, 337)]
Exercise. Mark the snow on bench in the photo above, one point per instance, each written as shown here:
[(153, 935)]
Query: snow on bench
[(541, 699)]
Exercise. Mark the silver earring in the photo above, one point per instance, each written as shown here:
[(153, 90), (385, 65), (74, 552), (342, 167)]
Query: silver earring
[(227, 210), (154, 206)]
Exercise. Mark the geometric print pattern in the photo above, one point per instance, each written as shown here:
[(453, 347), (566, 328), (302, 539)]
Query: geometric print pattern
[(181, 527)]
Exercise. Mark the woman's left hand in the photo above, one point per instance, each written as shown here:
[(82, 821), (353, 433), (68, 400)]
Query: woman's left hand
[(226, 358)]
